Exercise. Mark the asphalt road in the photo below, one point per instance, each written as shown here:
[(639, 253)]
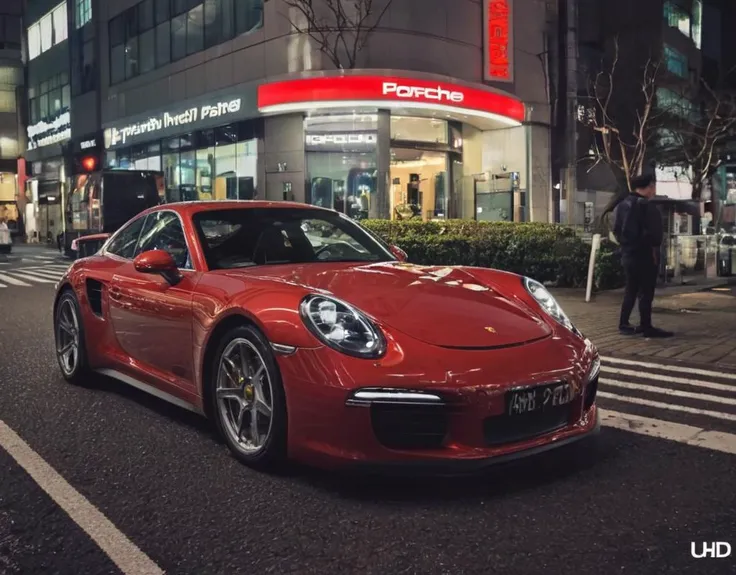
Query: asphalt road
[(623, 503)]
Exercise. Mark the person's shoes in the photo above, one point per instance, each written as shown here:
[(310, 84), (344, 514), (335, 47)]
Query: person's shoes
[(628, 329), (655, 332)]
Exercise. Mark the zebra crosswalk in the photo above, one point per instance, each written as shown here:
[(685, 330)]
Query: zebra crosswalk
[(28, 276), (688, 404)]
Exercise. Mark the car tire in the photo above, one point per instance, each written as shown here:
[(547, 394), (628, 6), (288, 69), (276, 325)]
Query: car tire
[(67, 310), (272, 454)]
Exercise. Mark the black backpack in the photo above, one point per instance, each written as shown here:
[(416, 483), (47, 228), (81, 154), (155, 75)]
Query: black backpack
[(632, 226)]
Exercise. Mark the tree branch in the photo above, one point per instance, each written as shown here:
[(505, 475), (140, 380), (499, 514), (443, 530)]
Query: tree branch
[(344, 32)]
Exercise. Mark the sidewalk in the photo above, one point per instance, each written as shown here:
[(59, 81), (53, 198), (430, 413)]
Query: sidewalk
[(704, 323)]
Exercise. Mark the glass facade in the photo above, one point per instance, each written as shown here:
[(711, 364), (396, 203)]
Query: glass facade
[(82, 12), (690, 25), (364, 164), (676, 61), (216, 164), (424, 161), (154, 33), (422, 150), (49, 99), (341, 162), (49, 31)]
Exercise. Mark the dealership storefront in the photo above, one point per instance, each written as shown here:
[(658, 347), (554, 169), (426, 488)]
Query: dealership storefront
[(367, 144), (45, 157)]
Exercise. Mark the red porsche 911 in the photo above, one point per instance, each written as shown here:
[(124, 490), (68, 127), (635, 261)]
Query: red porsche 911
[(305, 337)]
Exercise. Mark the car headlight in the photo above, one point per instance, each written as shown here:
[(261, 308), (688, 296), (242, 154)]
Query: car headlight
[(342, 327), (548, 303)]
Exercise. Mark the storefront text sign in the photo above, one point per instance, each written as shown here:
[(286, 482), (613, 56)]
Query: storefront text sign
[(387, 92), (46, 133), (347, 138), (412, 92), (188, 117), (498, 40)]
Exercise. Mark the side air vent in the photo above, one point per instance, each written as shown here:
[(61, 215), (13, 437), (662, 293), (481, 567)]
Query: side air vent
[(94, 295)]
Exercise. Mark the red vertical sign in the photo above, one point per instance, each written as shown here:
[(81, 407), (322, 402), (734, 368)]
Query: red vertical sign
[(498, 41)]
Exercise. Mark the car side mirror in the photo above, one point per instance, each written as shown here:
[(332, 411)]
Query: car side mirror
[(158, 262), (399, 253)]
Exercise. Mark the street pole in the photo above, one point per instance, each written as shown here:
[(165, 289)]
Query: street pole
[(571, 59)]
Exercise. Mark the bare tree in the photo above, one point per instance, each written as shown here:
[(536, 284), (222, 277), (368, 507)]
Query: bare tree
[(340, 28), (694, 138), (673, 131), (624, 144)]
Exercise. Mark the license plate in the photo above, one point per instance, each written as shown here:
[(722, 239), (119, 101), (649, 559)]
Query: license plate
[(538, 399)]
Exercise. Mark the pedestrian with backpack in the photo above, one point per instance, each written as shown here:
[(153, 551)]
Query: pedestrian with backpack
[(638, 230)]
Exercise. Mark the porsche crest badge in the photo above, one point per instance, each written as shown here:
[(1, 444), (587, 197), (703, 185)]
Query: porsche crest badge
[(490, 330)]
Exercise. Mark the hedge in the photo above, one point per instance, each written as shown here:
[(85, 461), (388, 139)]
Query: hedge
[(549, 253)]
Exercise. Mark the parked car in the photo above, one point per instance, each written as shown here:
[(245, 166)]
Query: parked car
[(303, 336)]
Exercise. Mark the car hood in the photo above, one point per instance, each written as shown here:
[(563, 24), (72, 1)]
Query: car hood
[(446, 307)]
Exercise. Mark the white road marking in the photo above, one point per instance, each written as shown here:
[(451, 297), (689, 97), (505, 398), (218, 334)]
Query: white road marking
[(675, 368), (26, 276), (121, 550), (662, 405), (48, 267), (668, 391), (670, 379), (55, 274), (687, 434), (13, 281)]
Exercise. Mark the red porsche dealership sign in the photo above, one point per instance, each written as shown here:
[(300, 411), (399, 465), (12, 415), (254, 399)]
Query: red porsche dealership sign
[(375, 89), (498, 41)]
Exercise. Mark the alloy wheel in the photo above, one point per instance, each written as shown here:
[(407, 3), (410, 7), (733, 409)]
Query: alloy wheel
[(244, 396), (67, 337)]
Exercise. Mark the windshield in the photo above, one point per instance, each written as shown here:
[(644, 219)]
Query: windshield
[(261, 236)]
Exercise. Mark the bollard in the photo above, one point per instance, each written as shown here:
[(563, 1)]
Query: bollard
[(594, 245)]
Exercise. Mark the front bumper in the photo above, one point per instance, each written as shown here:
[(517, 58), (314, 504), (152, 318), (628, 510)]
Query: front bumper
[(470, 466), (448, 411)]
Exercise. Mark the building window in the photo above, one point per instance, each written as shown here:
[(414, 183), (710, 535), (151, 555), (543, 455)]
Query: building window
[(676, 62), (84, 67), (34, 41), (49, 99), (675, 104), (219, 164), (341, 156), (169, 30), (10, 77), (7, 101), (163, 43), (88, 66), (677, 17), (406, 128), (49, 31), (697, 23), (680, 18), (61, 31), (10, 32), (82, 12)]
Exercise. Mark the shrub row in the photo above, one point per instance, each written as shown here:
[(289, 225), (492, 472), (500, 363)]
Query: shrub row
[(549, 253)]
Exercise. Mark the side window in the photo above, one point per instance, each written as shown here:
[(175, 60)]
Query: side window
[(163, 231), (123, 245)]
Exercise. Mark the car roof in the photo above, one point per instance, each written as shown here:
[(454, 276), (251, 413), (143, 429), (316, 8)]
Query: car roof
[(198, 206)]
